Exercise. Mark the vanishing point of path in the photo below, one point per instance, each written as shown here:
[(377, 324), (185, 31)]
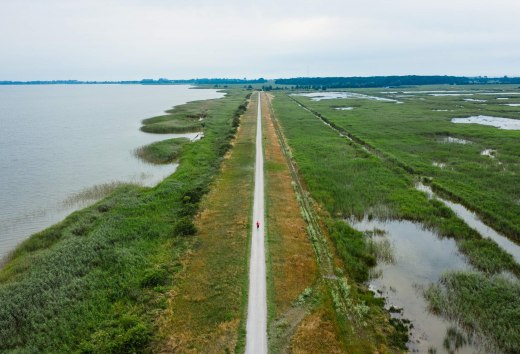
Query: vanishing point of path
[(256, 340)]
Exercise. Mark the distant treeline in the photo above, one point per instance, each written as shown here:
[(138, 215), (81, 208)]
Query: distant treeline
[(162, 81), (392, 81)]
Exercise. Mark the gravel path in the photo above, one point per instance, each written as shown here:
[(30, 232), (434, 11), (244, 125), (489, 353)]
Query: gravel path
[(256, 341)]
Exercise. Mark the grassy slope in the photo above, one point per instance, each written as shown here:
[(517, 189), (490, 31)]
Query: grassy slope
[(205, 310), (291, 260), (96, 281)]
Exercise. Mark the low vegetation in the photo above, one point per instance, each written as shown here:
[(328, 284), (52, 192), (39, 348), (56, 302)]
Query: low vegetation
[(344, 306), (487, 305), (161, 152), (188, 118), (96, 282), (351, 174), (419, 132)]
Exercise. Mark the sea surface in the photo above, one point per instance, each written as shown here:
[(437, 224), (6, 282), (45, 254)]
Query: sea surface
[(59, 140)]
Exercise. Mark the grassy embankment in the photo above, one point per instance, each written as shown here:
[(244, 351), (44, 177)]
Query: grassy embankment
[(206, 309), (292, 268), (397, 130), (97, 281)]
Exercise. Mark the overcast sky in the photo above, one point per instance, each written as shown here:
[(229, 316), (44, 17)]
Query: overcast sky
[(134, 39)]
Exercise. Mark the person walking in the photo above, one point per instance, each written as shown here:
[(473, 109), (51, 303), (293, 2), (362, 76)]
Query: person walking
[(257, 224)]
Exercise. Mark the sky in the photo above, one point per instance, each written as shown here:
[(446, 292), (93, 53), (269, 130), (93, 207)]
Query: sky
[(135, 39)]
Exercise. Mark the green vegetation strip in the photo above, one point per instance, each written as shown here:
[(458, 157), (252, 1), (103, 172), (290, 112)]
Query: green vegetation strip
[(95, 282), (162, 152), (184, 119)]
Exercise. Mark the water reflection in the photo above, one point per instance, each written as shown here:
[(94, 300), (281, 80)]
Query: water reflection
[(415, 258)]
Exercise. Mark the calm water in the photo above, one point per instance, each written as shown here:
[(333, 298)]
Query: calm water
[(57, 140), (420, 257), (474, 222)]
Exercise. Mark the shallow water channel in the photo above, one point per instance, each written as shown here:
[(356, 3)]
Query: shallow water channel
[(474, 222), (420, 257)]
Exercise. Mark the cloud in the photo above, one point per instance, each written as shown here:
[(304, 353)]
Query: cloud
[(116, 39)]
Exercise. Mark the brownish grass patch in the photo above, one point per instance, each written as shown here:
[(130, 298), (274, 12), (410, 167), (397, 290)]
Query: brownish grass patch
[(316, 334), (293, 264), (205, 311)]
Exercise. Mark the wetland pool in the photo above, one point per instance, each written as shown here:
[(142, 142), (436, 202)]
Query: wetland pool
[(497, 122), (420, 257)]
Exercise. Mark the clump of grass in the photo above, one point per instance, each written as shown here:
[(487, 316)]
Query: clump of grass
[(161, 152), (382, 249), (182, 119), (487, 305), (93, 193)]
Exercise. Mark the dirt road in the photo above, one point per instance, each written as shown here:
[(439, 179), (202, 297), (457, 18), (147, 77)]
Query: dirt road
[(256, 340)]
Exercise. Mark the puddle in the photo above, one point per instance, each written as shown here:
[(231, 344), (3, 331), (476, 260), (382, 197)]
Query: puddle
[(512, 104), (344, 108), (502, 98), (489, 152), (450, 139), (450, 94), (438, 164), (441, 110), (419, 259), (474, 100), (499, 93), (497, 122), (474, 222), (437, 91), (318, 96)]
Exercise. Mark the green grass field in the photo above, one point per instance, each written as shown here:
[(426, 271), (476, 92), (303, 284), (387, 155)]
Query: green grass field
[(415, 132), (392, 147)]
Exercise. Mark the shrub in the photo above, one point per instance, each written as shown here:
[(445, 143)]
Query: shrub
[(184, 227), (154, 277)]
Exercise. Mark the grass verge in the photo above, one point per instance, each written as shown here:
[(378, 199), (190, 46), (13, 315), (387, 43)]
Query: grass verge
[(205, 311), (292, 268)]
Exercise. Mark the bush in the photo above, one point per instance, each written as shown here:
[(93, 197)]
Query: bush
[(184, 227), (154, 277)]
